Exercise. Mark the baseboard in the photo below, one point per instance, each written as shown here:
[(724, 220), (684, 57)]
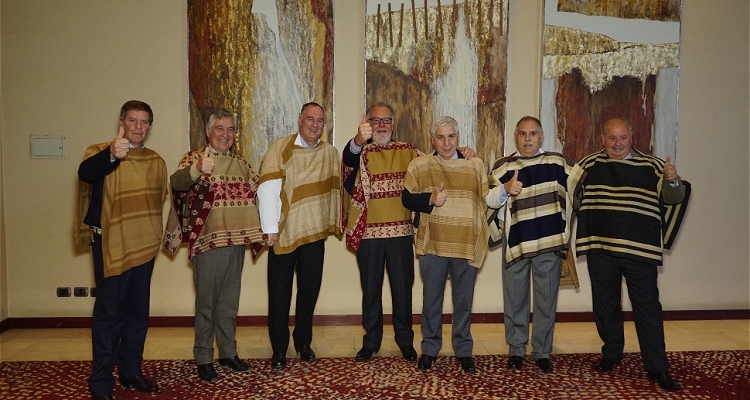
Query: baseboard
[(353, 320)]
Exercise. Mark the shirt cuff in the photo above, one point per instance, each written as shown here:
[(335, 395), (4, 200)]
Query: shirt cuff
[(353, 148)]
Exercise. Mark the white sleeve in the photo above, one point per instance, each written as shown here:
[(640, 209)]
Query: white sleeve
[(269, 205)]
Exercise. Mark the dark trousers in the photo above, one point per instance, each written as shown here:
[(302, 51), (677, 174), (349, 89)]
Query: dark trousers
[(606, 274), (307, 261), (374, 257), (119, 323)]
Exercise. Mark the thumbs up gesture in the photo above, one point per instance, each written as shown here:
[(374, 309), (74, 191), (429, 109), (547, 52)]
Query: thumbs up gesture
[(205, 164), (439, 196), (513, 186), (120, 146), (670, 172), (364, 131)]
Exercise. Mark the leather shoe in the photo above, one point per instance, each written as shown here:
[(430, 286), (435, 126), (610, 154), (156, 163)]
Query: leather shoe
[(515, 362), (207, 373), (425, 362), (235, 364), (606, 364), (665, 381), (544, 364), (107, 397), (139, 383), (305, 352), (467, 364), (409, 353), (278, 361), (364, 354)]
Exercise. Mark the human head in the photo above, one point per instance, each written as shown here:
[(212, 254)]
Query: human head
[(382, 130), (311, 121), (617, 138), (220, 130), (529, 136), (444, 135), (136, 118)]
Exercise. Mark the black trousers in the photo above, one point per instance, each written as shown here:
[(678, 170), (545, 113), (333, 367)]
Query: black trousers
[(374, 257), (606, 274), (119, 323), (307, 261)]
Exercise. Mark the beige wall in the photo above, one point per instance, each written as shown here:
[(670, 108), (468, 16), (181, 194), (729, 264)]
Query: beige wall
[(69, 71)]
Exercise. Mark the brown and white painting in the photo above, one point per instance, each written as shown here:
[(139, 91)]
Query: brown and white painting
[(433, 58), (610, 59)]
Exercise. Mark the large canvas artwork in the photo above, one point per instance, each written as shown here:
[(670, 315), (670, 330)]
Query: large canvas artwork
[(262, 60), (610, 59), (433, 58)]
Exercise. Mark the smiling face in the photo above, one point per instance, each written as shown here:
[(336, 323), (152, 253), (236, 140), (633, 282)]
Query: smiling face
[(617, 139), (529, 137), (137, 125), (221, 134), (445, 141), (383, 129), (311, 123)]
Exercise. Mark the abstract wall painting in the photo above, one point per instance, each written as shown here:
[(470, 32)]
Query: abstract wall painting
[(262, 60), (433, 58), (610, 59)]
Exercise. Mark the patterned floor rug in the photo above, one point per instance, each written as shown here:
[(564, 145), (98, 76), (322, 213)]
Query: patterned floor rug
[(703, 375)]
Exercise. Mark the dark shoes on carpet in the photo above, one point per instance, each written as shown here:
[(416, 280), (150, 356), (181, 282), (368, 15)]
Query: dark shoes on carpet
[(364, 354), (515, 362), (235, 364), (665, 381), (305, 352), (606, 364), (544, 364), (467, 364), (207, 373), (409, 353), (108, 397), (278, 361), (139, 383), (425, 362)]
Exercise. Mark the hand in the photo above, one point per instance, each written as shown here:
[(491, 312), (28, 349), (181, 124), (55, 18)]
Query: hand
[(205, 164), (270, 239), (439, 196), (120, 146), (364, 131), (670, 172), (513, 186), (467, 152)]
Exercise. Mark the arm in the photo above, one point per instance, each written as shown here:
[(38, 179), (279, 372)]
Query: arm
[(183, 179), (351, 154), (96, 167), (672, 193), (419, 202)]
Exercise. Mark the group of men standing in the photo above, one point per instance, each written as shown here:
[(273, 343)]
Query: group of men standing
[(220, 206)]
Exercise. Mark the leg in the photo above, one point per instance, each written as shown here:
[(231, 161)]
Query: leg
[(516, 306), (434, 271), (280, 279), (204, 269), (309, 278), (227, 295), (136, 305), (606, 292), (463, 277), (400, 265), (371, 259), (545, 269)]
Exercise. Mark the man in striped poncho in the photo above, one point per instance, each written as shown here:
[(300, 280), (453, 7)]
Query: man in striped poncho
[(631, 207)]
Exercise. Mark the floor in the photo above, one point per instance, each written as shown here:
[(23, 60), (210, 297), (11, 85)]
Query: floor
[(344, 341)]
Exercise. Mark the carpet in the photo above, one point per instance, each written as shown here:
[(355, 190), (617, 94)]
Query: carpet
[(703, 375)]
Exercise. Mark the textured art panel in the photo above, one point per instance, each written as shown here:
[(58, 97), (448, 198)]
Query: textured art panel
[(261, 59), (440, 58)]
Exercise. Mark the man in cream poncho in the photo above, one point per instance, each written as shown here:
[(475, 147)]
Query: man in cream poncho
[(447, 192)]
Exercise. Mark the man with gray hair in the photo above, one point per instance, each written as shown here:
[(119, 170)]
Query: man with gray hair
[(447, 192)]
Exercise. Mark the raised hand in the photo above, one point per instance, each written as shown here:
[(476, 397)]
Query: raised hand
[(513, 186), (670, 172), (467, 152), (439, 196), (205, 164), (120, 146), (364, 131)]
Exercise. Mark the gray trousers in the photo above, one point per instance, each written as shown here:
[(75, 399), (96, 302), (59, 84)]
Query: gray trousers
[(545, 272), (217, 274), (435, 270)]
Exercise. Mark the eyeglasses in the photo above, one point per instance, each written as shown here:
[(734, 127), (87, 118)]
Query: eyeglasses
[(377, 121)]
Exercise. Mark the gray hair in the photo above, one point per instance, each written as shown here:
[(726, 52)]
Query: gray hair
[(530, 118), (219, 113), (443, 121)]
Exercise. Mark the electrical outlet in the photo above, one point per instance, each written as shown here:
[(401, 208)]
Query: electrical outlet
[(63, 292), (80, 292), (93, 292)]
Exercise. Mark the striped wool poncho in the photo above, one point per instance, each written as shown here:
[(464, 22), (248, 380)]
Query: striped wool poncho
[(622, 210)]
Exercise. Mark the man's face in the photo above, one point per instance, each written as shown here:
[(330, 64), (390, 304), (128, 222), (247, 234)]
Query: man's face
[(445, 141), (136, 127), (383, 128), (221, 136), (617, 139), (529, 137), (311, 123)]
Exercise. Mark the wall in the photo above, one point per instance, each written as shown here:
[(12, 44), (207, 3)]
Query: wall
[(70, 71)]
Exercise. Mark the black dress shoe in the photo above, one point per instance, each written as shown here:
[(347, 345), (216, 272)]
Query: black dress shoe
[(409, 353), (425, 362), (467, 364), (207, 373), (515, 362), (139, 383), (606, 364), (364, 354), (544, 364), (107, 397), (278, 361), (235, 364), (305, 352), (665, 381)]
